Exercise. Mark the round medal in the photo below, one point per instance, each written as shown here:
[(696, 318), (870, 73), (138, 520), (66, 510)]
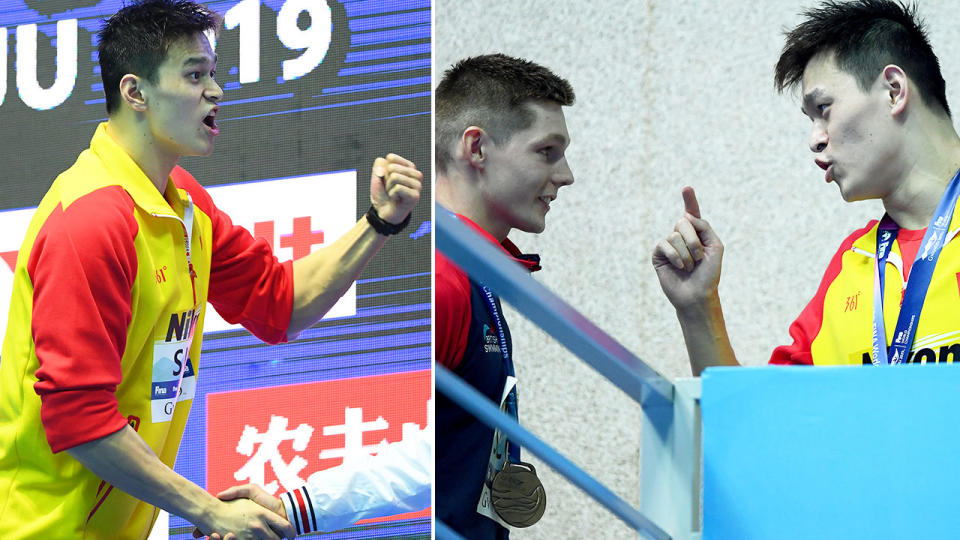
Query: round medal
[(517, 495)]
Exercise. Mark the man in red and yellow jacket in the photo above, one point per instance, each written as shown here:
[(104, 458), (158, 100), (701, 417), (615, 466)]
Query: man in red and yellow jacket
[(102, 348), (881, 129)]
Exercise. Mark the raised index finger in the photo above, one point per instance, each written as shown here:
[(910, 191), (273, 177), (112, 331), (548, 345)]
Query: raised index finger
[(690, 201)]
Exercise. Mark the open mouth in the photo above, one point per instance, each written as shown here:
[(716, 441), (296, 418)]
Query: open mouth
[(210, 121)]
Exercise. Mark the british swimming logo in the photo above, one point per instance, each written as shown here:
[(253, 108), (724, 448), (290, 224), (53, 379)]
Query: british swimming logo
[(490, 344)]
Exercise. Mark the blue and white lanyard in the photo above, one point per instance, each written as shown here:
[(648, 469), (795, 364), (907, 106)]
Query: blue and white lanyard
[(920, 275), (511, 401), (187, 223)]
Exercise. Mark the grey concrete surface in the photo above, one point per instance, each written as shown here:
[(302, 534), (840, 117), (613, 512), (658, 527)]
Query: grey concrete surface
[(669, 93)]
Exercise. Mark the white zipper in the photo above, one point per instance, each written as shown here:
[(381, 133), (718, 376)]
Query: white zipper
[(187, 224)]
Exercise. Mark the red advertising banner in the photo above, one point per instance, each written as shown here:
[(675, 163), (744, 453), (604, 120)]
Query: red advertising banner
[(277, 437)]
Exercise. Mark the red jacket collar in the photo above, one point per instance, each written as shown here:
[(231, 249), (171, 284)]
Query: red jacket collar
[(529, 261)]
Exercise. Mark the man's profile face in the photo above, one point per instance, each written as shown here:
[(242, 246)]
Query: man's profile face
[(853, 135), (524, 173), (180, 103)]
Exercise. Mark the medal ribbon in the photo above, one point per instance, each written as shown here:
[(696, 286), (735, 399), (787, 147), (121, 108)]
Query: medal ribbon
[(918, 283), (511, 402)]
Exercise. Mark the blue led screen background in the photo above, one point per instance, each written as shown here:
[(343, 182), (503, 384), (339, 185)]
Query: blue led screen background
[(313, 92)]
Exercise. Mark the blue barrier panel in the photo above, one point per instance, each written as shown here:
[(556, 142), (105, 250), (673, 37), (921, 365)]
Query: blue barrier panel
[(488, 265), (830, 452), (481, 407)]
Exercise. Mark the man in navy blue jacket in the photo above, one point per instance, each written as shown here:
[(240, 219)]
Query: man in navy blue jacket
[(501, 140)]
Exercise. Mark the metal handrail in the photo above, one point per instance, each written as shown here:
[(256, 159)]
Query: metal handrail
[(478, 405), (487, 264), (490, 266)]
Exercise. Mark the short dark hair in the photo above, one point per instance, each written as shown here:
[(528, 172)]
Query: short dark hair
[(865, 36), (491, 91), (136, 39)]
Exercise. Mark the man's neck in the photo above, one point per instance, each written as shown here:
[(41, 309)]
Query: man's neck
[(459, 199), (137, 143), (936, 156)]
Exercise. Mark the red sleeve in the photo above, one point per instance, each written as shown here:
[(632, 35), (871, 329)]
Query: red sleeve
[(83, 265), (248, 285), (806, 327), (451, 311)]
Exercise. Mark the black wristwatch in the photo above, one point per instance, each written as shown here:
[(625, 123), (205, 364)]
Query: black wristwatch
[(384, 227)]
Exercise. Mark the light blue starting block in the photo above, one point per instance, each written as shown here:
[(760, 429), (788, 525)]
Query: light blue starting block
[(843, 452)]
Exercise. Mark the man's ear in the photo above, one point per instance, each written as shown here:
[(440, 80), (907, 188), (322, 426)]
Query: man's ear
[(472, 146), (896, 86), (131, 92)]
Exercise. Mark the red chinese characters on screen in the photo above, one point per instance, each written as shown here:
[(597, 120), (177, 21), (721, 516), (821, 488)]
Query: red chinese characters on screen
[(277, 437)]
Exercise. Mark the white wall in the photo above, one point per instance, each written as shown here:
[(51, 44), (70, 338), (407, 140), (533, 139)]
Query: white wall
[(669, 93)]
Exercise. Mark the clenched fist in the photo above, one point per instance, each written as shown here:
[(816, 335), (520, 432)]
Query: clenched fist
[(395, 185)]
